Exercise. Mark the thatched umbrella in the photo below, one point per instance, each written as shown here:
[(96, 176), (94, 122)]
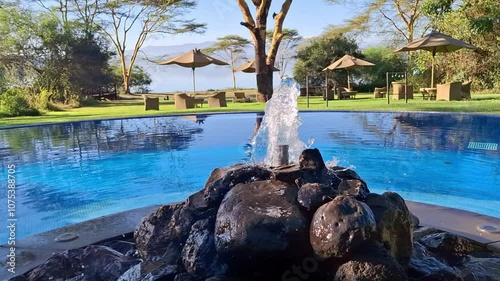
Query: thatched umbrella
[(348, 62), (436, 42), (249, 67), (193, 59)]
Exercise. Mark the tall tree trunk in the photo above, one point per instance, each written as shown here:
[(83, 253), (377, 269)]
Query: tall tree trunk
[(264, 73), (234, 79), (126, 84), (264, 62)]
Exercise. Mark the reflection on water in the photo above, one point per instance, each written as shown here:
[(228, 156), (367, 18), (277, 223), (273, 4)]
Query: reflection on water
[(77, 171)]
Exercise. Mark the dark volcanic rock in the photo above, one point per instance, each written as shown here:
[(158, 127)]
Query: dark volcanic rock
[(150, 271), (217, 186), (340, 226), (394, 226), (124, 247), (415, 221), (356, 188), (185, 277), (424, 267), (345, 173), (371, 263), (104, 263), (288, 174), (423, 231), (314, 170), (199, 255), (313, 195), (260, 221), (162, 234), (450, 247), (311, 160), (94, 262), (481, 269), (60, 266)]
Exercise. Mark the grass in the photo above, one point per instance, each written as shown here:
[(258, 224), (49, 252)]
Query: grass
[(480, 103)]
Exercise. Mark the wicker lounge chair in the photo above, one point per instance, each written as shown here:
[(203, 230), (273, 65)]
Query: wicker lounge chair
[(151, 103), (329, 94), (379, 92), (449, 91), (345, 93), (466, 90), (217, 100), (183, 101), (398, 91), (240, 97)]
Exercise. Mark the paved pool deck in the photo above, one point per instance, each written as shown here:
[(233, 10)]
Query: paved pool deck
[(34, 250)]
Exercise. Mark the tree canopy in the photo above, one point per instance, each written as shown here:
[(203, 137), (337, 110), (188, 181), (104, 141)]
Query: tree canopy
[(318, 54), (230, 48)]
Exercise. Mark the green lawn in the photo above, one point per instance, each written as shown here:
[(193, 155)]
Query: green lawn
[(480, 103)]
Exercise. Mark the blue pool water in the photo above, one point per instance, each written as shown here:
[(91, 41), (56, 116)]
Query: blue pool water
[(69, 173)]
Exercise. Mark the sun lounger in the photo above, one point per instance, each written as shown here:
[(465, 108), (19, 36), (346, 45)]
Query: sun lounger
[(217, 100), (449, 91), (240, 97), (151, 103)]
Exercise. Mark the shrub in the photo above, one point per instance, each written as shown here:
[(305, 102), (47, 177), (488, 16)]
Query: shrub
[(14, 103)]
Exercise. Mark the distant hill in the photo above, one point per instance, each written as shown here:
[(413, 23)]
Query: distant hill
[(169, 78)]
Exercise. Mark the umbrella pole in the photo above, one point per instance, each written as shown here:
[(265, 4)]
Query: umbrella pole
[(348, 81), (326, 87), (432, 70), (194, 84)]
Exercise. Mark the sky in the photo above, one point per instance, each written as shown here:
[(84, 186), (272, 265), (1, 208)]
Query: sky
[(223, 17)]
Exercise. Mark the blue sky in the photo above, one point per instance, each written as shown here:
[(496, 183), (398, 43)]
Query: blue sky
[(223, 18), (309, 17)]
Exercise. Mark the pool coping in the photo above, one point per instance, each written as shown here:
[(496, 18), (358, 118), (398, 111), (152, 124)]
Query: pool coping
[(36, 249), (236, 112)]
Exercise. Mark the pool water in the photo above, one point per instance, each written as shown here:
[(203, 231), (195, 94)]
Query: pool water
[(68, 173)]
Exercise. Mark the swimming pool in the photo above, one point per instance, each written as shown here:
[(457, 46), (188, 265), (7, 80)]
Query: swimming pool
[(72, 172)]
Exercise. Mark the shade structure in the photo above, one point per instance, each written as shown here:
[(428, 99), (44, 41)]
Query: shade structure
[(193, 59), (348, 62), (436, 42), (249, 67)]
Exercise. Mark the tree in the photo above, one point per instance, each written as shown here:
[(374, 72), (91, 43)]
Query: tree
[(140, 79), (318, 54), (476, 22), (230, 48), (117, 19), (50, 53), (288, 48), (264, 61), (385, 60), (403, 16)]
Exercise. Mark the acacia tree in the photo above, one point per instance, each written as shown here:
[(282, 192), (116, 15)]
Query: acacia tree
[(118, 18), (403, 16), (288, 48), (230, 48), (264, 61)]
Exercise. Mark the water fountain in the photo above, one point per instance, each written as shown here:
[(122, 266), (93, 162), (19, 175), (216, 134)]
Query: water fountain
[(277, 141), (304, 221)]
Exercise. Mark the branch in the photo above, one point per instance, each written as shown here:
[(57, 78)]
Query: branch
[(278, 31), (393, 23), (247, 15)]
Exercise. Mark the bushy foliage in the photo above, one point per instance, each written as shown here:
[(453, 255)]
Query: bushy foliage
[(13, 102), (318, 54), (139, 80), (478, 23), (385, 60)]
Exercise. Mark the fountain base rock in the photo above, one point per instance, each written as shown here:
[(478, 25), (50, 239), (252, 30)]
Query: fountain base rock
[(299, 222)]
